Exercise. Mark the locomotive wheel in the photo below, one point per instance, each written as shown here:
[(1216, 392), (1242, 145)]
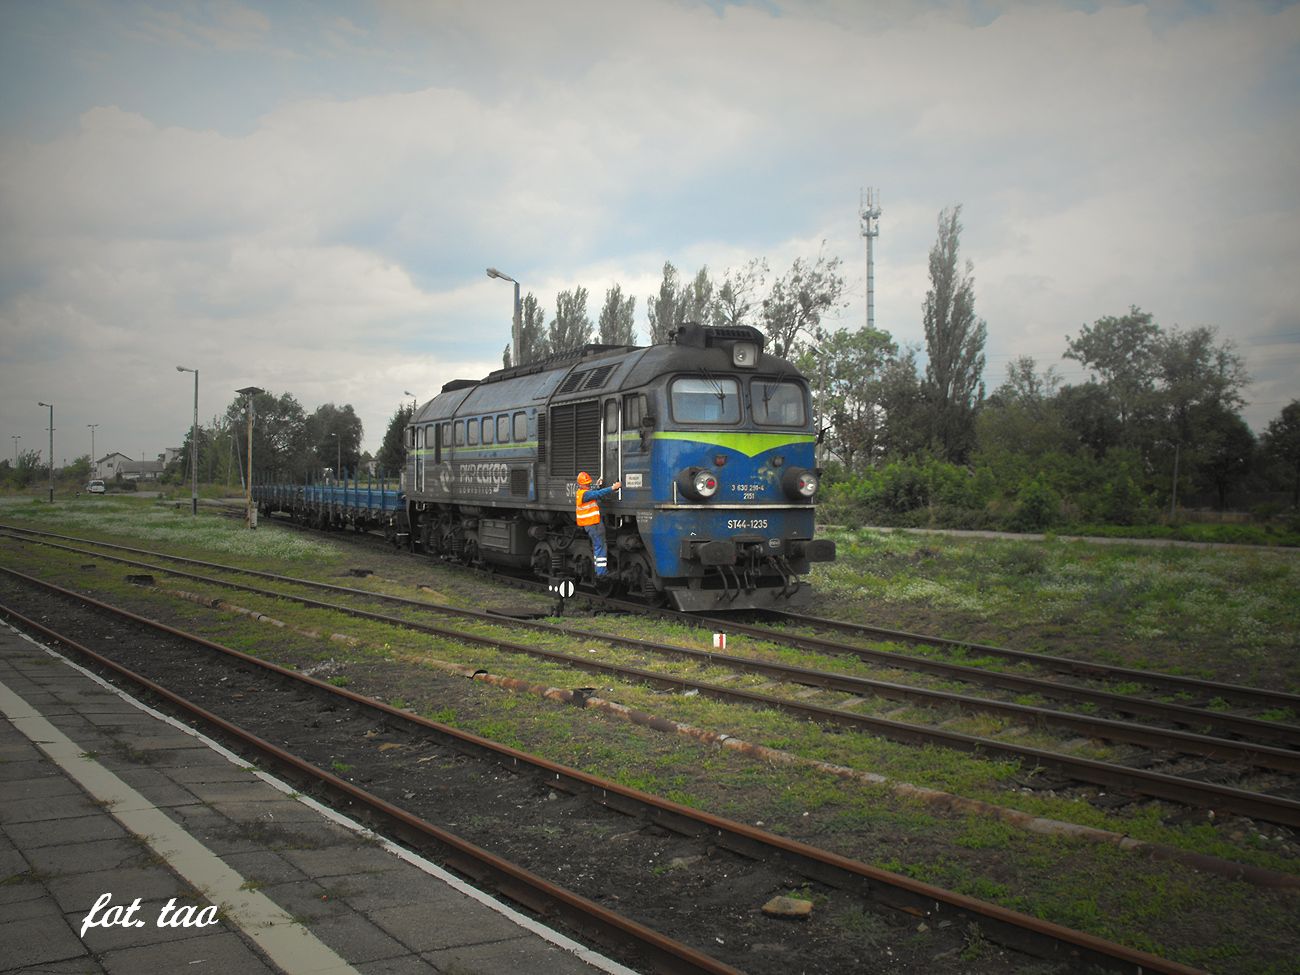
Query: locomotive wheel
[(640, 580), (541, 561)]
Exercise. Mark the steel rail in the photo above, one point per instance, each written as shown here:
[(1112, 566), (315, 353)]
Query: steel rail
[(1067, 665), (1140, 781), (1184, 742), (1256, 730), (1188, 743), (1042, 938)]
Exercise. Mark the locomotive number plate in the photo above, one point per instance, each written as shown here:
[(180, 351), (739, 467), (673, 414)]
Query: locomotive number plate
[(742, 523)]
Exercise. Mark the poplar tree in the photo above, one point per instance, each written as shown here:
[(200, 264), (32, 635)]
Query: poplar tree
[(954, 340)]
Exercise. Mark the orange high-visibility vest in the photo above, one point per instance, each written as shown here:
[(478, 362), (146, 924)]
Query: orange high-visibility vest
[(588, 511)]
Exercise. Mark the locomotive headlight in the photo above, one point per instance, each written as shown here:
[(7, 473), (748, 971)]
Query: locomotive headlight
[(800, 483), (698, 483), (744, 355)]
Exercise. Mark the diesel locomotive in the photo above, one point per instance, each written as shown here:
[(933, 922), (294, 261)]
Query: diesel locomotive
[(712, 438)]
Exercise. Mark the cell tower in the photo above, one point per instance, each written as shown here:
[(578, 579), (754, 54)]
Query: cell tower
[(869, 213)]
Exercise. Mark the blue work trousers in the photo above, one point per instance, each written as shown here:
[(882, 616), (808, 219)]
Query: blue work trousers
[(596, 533)]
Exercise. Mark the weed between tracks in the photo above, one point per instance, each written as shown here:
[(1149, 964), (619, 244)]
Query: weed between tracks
[(1162, 907)]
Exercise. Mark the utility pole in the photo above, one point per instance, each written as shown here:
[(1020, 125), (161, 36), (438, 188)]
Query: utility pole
[(94, 467), (869, 214), (248, 392), (51, 409)]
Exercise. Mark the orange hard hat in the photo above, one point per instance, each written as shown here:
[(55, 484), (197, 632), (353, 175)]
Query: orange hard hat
[(584, 477)]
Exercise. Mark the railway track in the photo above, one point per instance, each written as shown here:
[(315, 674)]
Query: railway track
[(1276, 766), (305, 725)]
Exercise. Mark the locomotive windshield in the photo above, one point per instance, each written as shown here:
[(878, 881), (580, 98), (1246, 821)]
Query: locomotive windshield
[(709, 400), (777, 402)]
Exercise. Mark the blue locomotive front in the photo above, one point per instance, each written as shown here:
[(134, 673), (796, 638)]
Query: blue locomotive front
[(712, 441)]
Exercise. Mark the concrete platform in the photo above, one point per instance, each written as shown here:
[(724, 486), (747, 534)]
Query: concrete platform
[(111, 812)]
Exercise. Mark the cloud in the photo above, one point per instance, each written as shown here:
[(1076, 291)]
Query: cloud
[(310, 199)]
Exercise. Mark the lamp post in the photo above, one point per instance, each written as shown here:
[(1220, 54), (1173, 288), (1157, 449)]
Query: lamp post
[(248, 392), (517, 326), (194, 445), (415, 404), (94, 470), (16, 437), (51, 408)]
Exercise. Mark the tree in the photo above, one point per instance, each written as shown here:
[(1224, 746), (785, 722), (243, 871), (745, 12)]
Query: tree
[(697, 299), (279, 435), (954, 340), (798, 300), (617, 325), (844, 368), (665, 309), (1223, 453), (1282, 445), (570, 328), (903, 401), (1122, 352), (1021, 415), (392, 452), (1196, 375), (533, 342), (334, 436), (735, 300), (1089, 415)]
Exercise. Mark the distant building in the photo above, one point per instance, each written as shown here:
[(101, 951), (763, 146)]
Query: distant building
[(114, 465), (107, 466), (141, 470)]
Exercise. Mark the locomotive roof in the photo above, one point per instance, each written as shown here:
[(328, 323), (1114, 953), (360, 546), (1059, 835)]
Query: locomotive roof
[(598, 368)]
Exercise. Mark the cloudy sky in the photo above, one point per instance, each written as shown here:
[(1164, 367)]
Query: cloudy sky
[(304, 196)]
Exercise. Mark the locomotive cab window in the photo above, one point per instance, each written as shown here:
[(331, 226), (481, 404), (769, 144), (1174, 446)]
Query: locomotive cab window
[(410, 437), (705, 400), (777, 402), (611, 416)]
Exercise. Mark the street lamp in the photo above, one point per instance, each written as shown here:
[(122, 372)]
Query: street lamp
[(94, 471), (517, 328), (194, 445), (51, 407), (415, 403), (248, 392)]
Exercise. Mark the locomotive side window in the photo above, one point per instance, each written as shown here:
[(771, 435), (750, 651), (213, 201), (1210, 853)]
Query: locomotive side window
[(503, 428), (611, 416), (439, 432), (521, 427), (460, 433), (777, 403), (709, 400), (410, 437), (487, 429), (471, 432), (426, 437), (634, 408)]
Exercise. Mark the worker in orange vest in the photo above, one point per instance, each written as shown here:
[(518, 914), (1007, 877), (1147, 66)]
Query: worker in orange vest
[(588, 512)]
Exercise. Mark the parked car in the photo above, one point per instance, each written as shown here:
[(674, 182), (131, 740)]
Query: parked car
[(96, 487)]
